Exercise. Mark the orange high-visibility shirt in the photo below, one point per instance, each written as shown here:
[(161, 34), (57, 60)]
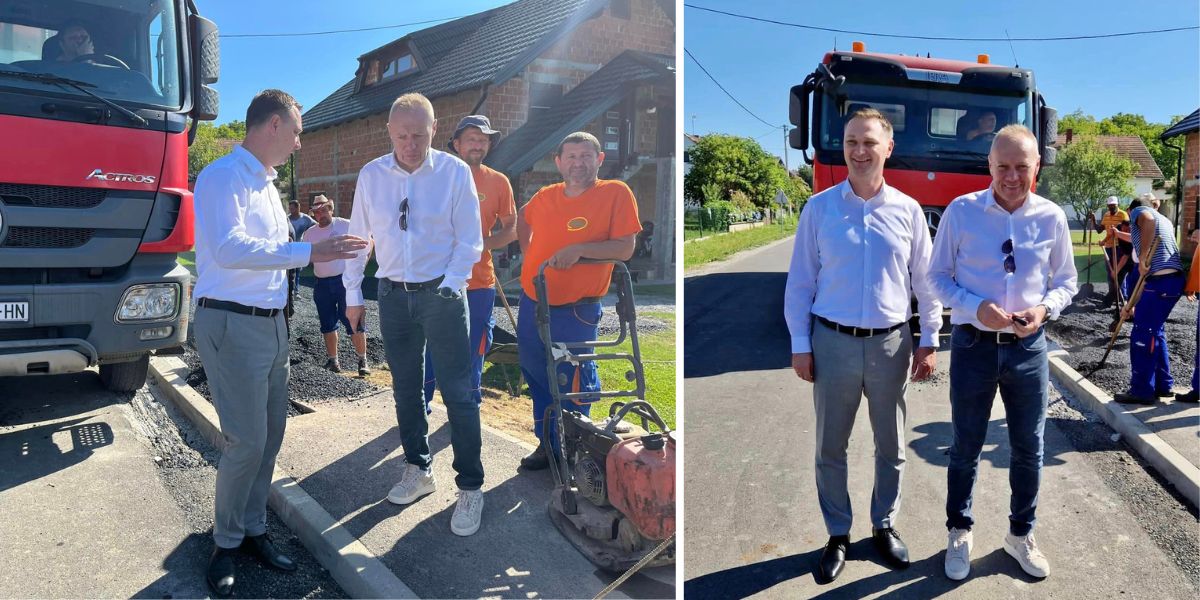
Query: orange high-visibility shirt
[(495, 201), (606, 211)]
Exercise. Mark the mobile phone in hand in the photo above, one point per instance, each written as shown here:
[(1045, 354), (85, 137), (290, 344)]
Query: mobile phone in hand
[(1022, 321)]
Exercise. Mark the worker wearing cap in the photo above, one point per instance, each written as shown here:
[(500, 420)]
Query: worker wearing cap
[(582, 217), (1150, 365), (1113, 216), (862, 249), (329, 293), (472, 140)]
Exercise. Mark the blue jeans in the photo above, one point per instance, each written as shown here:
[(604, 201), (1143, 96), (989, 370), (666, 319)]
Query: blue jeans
[(480, 303), (1021, 371), (1196, 355), (407, 320), (573, 323), (1149, 362)]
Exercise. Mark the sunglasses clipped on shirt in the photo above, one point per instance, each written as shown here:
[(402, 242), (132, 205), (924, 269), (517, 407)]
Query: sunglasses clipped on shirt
[(1010, 262), (404, 214)]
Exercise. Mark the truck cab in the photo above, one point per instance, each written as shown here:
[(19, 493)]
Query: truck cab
[(95, 99)]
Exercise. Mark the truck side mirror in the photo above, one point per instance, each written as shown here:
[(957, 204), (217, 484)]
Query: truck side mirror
[(206, 49), (798, 115), (1049, 131)]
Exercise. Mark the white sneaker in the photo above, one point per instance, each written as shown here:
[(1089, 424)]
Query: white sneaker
[(467, 513), (415, 482), (1025, 550), (958, 554)]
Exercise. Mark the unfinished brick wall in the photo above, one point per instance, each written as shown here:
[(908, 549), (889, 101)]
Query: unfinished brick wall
[(1191, 188), (330, 158)]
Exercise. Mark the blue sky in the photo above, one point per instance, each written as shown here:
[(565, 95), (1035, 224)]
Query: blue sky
[(1155, 75), (309, 67)]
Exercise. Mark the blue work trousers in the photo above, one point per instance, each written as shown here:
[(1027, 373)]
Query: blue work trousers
[(571, 323), (1148, 359), (1021, 371)]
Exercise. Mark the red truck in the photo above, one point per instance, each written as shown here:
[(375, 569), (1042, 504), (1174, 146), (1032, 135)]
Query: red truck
[(95, 97), (941, 112)]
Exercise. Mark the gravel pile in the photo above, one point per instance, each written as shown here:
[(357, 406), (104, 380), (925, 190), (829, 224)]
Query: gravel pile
[(1083, 330)]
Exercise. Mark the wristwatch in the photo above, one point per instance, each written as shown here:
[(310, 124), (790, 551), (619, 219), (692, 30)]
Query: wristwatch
[(447, 293)]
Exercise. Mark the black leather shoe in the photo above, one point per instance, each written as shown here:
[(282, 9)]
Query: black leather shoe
[(1191, 396), (221, 574), (1127, 398), (1165, 394), (261, 546), (536, 460), (890, 547), (833, 558)]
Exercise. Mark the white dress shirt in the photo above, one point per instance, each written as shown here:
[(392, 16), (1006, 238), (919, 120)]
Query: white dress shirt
[(968, 260), (242, 248), (316, 233), (444, 237), (857, 262)]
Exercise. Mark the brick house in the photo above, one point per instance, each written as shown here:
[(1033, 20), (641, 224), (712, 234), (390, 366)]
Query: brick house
[(539, 69), (1189, 176)]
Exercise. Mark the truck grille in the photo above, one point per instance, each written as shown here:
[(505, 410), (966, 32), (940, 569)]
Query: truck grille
[(49, 196), (46, 237)]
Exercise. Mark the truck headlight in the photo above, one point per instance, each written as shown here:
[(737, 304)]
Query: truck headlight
[(149, 302)]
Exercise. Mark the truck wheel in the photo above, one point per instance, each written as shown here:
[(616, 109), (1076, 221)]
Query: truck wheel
[(933, 218), (127, 376)]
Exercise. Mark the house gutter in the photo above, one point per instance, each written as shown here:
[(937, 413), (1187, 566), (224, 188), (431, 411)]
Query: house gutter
[(1179, 186), (482, 97)]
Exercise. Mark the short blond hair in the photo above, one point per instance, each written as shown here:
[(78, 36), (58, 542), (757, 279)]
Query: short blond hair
[(872, 113), (412, 101), (1015, 132)]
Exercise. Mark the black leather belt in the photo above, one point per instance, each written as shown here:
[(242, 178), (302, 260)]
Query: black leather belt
[(999, 337), (579, 302), (857, 331), (234, 307), (409, 286)]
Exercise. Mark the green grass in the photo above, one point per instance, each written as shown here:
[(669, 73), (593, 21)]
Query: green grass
[(722, 246), (691, 234), (1099, 272)]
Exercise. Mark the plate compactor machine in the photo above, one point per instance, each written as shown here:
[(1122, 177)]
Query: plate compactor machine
[(614, 479)]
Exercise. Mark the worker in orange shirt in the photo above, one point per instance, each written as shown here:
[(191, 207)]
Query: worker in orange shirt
[(1189, 291), (472, 140), (582, 217)]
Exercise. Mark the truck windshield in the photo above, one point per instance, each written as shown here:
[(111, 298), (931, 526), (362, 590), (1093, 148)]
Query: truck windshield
[(927, 122), (129, 51)]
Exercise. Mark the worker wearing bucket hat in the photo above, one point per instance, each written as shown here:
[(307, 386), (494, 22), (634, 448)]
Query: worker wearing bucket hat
[(472, 140)]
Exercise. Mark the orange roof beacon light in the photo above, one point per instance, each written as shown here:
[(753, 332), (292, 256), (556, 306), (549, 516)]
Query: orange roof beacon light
[(983, 59), (858, 47)]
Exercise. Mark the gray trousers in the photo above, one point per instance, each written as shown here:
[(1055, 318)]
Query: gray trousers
[(246, 361), (846, 368)]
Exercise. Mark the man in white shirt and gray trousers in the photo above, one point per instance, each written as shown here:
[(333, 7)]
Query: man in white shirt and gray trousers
[(242, 256), (420, 208), (1003, 263), (862, 248)]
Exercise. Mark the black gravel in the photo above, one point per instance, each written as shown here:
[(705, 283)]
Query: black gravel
[(187, 468), (1084, 330)]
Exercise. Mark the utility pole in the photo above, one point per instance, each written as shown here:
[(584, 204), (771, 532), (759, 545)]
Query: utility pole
[(785, 156), (693, 124)]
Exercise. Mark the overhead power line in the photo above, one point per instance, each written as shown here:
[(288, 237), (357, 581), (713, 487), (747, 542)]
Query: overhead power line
[(334, 31), (714, 80), (940, 38)]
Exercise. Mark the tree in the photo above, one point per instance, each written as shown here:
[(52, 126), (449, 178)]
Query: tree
[(1085, 174), (1128, 124), (737, 164), (213, 142)]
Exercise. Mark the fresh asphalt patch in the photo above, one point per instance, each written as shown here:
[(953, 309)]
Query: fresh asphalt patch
[(187, 468)]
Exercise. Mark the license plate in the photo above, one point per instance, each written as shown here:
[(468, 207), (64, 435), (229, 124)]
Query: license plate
[(14, 311)]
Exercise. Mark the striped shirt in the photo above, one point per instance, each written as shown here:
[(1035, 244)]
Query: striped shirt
[(1166, 254)]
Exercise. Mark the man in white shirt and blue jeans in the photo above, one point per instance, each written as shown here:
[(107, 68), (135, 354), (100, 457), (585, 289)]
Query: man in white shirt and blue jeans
[(242, 254), (1003, 263), (420, 208), (861, 251)]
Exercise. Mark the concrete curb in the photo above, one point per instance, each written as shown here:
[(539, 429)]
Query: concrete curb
[(352, 564), (1178, 470)]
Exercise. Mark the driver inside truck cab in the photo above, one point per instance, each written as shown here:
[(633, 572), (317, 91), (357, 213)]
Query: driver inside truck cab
[(977, 126), (75, 41)]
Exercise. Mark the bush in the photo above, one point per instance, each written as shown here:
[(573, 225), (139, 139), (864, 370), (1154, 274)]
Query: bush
[(717, 215)]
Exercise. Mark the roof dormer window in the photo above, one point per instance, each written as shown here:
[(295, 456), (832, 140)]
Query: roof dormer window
[(396, 67)]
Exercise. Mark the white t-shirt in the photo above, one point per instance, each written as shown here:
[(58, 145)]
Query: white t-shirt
[(317, 233)]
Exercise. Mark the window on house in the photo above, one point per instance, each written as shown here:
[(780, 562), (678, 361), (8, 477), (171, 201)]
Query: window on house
[(397, 66), (541, 97)]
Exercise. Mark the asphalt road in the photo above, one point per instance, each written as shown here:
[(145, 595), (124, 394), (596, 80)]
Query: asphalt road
[(752, 525), (107, 495)]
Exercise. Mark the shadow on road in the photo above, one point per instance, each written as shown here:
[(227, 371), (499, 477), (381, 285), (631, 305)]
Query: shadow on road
[(734, 322)]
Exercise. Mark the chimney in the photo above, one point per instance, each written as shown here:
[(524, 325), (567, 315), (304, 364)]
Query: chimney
[(1070, 134)]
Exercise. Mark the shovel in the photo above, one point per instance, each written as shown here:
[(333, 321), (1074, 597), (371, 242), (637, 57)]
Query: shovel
[(1133, 300)]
